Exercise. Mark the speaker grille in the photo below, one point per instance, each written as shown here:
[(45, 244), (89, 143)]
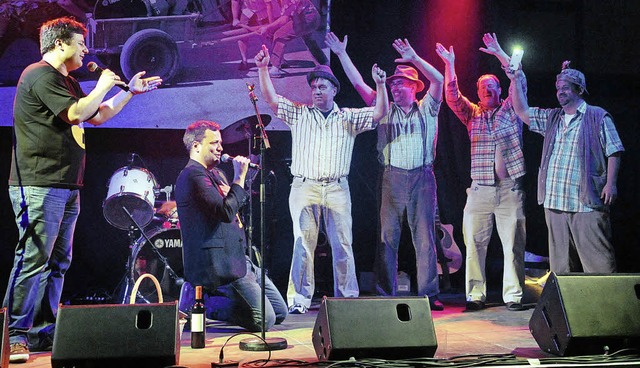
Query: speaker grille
[(388, 328)]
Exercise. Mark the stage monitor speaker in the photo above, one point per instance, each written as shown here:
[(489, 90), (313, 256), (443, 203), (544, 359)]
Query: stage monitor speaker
[(135, 335), (587, 314), (386, 328), (4, 338)]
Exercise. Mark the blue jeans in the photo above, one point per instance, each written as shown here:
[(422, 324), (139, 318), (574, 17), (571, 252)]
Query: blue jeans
[(410, 193), (504, 205), (243, 298), (46, 219), (309, 199)]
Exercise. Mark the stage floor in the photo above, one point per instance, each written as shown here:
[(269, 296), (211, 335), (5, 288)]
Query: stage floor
[(494, 331)]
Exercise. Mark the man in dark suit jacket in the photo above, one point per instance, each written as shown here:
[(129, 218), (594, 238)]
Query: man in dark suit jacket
[(213, 240)]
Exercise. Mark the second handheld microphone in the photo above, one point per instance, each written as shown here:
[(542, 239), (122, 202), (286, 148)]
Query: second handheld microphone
[(227, 158)]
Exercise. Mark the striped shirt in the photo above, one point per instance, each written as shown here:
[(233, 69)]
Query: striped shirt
[(564, 171), (488, 129), (408, 141), (321, 148)]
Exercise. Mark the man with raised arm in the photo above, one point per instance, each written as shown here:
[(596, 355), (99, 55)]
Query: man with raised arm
[(577, 178), (407, 139), (497, 169), (322, 136)]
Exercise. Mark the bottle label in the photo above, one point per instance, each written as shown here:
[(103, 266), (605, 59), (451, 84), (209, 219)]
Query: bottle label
[(197, 322)]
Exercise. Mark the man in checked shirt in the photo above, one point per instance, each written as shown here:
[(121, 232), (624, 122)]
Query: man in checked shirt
[(497, 167), (322, 144), (577, 179)]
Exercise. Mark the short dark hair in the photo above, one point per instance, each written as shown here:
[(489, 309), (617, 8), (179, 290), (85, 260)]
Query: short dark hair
[(195, 132), (59, 29)]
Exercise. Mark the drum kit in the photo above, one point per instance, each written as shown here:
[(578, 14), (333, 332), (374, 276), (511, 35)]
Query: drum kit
[(132, 204)]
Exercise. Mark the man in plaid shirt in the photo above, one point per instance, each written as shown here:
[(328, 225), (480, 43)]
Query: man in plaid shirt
[(578, 174), (497, 168)]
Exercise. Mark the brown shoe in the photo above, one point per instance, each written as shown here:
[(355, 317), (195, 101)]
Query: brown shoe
[(19, 353)]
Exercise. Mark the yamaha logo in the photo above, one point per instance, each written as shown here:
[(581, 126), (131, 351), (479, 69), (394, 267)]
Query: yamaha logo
[(168, 243)]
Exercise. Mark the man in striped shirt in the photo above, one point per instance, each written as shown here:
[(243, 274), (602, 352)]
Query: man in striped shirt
[(322, 144), (407, 147), (577, 179), (497, 168)]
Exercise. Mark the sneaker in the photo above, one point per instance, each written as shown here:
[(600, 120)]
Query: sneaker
[(19, 353), (298, 309)]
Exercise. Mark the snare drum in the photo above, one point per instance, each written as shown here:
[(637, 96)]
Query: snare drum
[(133, 188), (145, 260)]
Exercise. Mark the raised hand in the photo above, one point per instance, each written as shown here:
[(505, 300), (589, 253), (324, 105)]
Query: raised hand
[(492, 45), (262, 58), (139, 85), (448, 56), (407, 53), (337, 47), (379, 75)]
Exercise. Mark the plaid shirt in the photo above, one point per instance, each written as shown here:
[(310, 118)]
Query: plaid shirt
[(488, 129), (404, 138), (564, 171), (322, 147)]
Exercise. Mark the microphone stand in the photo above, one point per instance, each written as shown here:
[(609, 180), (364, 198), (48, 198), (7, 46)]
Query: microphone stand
[(272, 343)]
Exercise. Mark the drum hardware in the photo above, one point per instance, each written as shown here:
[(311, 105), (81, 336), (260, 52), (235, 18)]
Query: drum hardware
[(130, 205), (132, 258), (244, 128), (167, 192)]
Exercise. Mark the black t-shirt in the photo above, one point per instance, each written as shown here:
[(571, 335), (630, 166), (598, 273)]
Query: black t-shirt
[(48, 151)]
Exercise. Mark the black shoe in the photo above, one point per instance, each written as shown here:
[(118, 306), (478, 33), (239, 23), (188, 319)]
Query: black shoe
[(513, 306), (435, 304), (474, 305)]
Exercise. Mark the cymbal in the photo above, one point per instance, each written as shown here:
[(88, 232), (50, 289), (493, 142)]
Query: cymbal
[(244, 128)]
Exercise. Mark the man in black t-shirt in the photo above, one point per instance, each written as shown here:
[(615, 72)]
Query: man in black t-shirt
[(47, 169)]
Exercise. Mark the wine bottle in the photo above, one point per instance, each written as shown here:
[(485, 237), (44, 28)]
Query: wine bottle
[(197, 321)]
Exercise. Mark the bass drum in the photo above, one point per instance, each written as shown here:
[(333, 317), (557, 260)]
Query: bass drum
[(145, 260)]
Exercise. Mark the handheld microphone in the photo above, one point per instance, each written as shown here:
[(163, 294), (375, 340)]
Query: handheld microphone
[(93, 67), (227, 158)]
